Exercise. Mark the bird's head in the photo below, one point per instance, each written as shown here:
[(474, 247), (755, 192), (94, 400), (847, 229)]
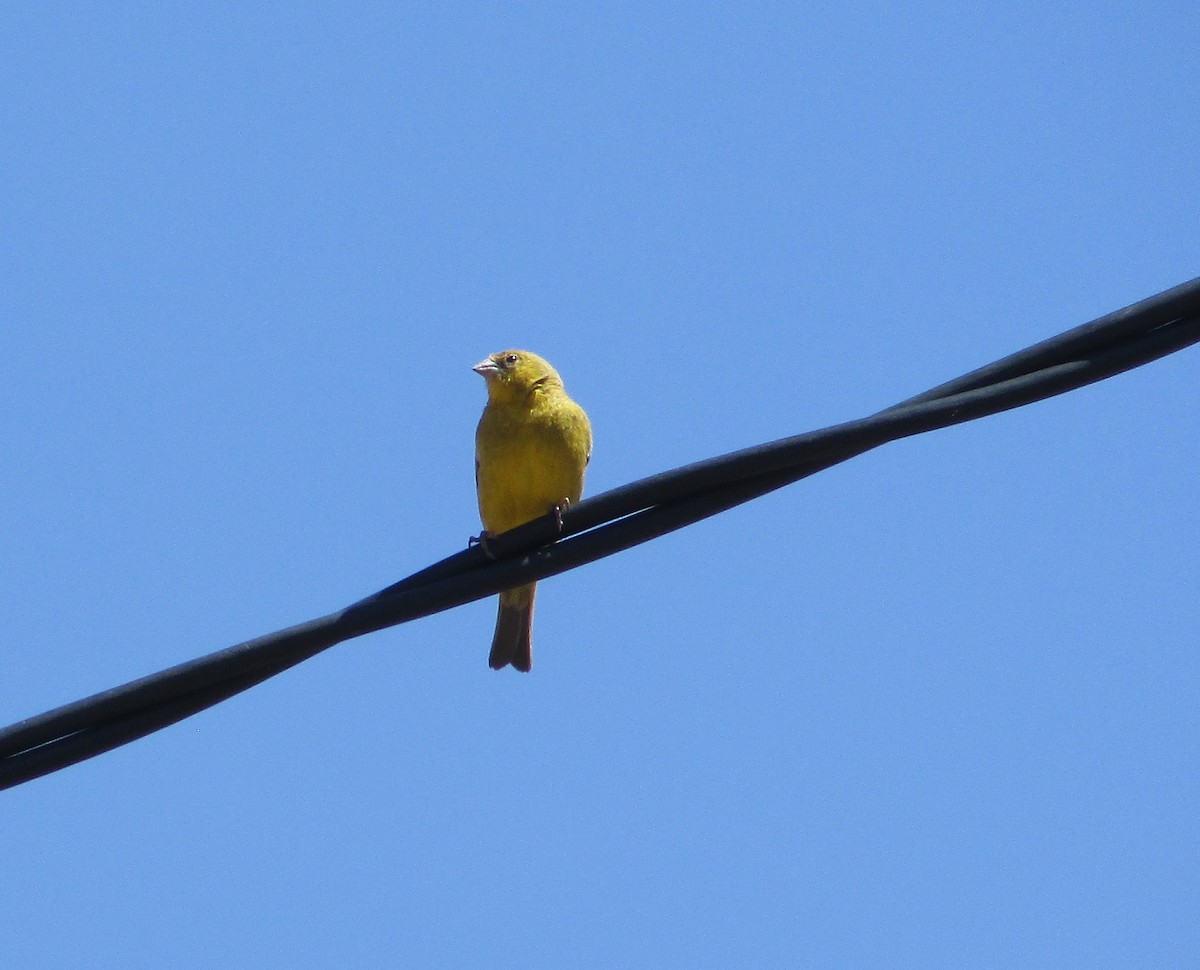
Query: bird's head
[(516, 373)]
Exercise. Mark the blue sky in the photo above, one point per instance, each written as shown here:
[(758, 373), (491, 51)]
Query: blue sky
[(934, 707)]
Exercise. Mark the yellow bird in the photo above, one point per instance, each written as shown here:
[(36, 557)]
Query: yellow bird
[(531, 450)]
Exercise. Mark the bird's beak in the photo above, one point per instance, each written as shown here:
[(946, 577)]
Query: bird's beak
[(486, 368)]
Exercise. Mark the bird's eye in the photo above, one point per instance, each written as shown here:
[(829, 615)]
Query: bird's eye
[(511, 359)]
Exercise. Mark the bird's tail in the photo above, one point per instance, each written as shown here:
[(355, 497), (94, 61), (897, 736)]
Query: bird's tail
[(512, 643)]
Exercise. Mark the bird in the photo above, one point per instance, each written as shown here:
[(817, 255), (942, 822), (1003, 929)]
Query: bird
[(532, 448)]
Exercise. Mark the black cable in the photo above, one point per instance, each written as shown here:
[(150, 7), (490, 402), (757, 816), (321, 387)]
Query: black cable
[(600, 526)]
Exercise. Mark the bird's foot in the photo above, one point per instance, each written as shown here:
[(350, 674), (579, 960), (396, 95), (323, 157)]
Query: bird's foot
[(481, 540), (557, 510)]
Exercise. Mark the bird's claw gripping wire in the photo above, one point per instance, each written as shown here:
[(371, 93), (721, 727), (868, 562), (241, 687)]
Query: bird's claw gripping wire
[(557, 510), (481, 540)]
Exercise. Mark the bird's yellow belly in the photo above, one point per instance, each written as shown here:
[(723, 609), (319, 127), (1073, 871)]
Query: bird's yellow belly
[(524, 478)]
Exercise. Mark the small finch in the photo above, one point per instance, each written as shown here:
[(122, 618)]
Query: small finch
[(531, 450)]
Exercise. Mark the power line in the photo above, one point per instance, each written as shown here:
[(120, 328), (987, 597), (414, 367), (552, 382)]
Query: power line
[(600, 526)]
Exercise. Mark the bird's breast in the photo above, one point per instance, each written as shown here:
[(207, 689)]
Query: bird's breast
[(526, 464)]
